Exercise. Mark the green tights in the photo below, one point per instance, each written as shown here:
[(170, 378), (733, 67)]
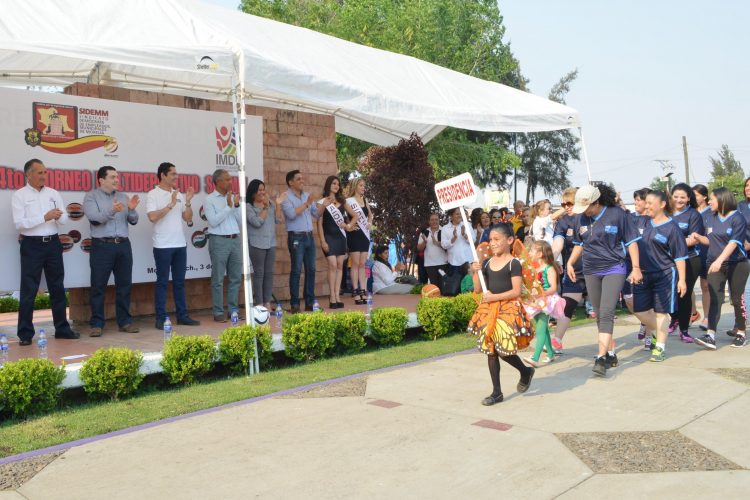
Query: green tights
[(543, 338)]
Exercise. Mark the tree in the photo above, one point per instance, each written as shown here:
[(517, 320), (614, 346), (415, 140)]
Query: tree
[(399, 183), (544, 156), (657, 184), (727, 172), (463, 35)]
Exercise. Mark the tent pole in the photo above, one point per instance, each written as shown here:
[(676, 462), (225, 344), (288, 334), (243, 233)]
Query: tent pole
[(238, 112), (585, 155)]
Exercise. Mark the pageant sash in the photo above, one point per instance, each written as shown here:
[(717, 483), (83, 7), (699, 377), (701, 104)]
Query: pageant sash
[(361, 218), (337, 216)]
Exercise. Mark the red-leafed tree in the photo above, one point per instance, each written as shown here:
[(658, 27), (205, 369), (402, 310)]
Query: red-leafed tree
[(400, 184)]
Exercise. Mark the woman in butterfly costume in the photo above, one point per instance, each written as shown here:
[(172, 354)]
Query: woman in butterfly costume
[(500, 322)]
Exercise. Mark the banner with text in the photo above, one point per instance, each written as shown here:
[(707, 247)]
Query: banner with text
[(74, 136)]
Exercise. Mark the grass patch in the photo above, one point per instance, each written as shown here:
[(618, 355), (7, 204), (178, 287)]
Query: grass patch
[(91, 419)]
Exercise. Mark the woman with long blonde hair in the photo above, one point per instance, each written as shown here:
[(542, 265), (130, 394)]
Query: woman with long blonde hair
[(358, 237)]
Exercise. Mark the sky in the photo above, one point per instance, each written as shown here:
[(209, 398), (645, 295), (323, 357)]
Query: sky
[(649, 73)]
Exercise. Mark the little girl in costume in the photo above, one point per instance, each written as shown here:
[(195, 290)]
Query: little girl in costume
[(500, 322), (547, 273)]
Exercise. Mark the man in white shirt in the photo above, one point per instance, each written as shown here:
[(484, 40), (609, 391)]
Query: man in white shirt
[(457, 242), (435, 258), (167, 208), (38, 211)]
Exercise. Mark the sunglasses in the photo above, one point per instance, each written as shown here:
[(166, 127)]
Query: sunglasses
[(567, 204)]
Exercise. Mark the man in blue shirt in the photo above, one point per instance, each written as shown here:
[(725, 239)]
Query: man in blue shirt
[(110, 213), (224, 243), (299, 211)]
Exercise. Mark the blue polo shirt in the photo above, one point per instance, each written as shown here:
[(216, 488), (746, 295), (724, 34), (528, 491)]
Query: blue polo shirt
[(661, 246), (743, 207), (723, 230), (690, 221), (604, 239), (565, 229)]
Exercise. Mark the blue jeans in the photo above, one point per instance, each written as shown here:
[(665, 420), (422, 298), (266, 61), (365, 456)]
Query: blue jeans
[(302, 252), (176, 260), (105, 259)]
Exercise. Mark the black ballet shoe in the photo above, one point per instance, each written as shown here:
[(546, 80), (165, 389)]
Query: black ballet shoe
[(492, 399), (523, 385)]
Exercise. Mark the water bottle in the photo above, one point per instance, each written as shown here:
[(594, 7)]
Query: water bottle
[(316, 306), (369, 304), (235, 317), (279, 313), (167, 329), (3, 349), (41, 344)]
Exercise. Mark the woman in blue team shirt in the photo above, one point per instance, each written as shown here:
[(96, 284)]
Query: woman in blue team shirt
[(562, 245), (701, 197), (602, 234), (727, 262), (743, 207), (663, 252), (689, 221)]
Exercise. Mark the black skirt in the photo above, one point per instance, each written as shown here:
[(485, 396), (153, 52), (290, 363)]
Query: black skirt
[(357, 241)]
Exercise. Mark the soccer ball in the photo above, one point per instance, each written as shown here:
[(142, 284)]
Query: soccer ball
[(430, 291), (260, 315)]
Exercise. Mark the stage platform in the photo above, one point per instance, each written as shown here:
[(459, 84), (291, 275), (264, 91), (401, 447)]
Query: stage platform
[(149, 339)]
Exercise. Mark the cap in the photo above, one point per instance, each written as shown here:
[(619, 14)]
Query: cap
[(585, 196)]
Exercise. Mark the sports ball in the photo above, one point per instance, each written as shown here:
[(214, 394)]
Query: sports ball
[(430, 291), (199, 239), (260, 315), (75, 211), (86, 245), (66, 242)]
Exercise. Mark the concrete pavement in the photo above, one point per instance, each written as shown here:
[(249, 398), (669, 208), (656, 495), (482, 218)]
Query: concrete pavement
[(421, 432)]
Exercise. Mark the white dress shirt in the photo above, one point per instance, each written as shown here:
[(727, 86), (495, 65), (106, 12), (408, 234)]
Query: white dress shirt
[(459, 252), (168, 232), (29, 207), (434, 254)]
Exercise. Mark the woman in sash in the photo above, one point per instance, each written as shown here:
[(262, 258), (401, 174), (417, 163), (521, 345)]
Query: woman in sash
[(358, 238), (332, 229)]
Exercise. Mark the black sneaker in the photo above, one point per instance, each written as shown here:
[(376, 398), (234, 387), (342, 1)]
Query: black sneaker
[(739, 341), (732, 332), (707, 342), (611, 361), (600, 367)]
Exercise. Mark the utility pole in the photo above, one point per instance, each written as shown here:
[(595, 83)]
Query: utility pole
[(687, 165)]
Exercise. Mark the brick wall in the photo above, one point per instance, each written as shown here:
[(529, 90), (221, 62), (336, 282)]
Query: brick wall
[(290, 140)]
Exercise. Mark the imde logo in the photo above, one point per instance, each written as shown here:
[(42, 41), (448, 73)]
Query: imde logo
[(63, 129), (206, 63), (226, 143)]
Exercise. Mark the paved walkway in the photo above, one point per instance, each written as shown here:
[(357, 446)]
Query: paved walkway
[(668, 430)]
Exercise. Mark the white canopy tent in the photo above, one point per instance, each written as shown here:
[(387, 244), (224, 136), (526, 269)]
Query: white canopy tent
[(190, 48)]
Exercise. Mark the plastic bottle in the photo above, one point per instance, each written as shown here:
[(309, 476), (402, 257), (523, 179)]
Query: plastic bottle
[(279, 314), (235, 317), (369, 304), (167, 329), (3, 349), (41, 344), (316, 306)]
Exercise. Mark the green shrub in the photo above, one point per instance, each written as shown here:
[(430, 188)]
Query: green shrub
[(464, 306), (113, 372), (41, 302), (30, 386), (436, 315), (388, 325), (309, 336), (349, 331), (416, 289), (237, 347), (9, 304), (186, 358)]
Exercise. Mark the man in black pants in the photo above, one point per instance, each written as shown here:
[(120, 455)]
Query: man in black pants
[(37, 213)]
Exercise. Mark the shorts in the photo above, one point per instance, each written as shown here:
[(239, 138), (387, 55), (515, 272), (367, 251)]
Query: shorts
[(569, 287), (704, 263), (627, 290), (658, 292)]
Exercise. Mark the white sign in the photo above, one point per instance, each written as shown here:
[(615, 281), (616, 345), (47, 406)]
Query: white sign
[(74, 136), (455, 192)]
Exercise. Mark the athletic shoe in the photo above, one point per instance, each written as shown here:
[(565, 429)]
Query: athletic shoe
[(739, 341), (649, 342), (611, 361), (695, 317), (592, 315), (732, 332), (642, 332), (557, 345), (529, 361), (707, 342), (657, 355), (704, 325), (686, 338), (600, 367), (673, 325)]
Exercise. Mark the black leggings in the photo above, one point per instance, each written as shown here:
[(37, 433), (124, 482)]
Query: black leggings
[(735, 273), (493, 363), (685, 303)]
